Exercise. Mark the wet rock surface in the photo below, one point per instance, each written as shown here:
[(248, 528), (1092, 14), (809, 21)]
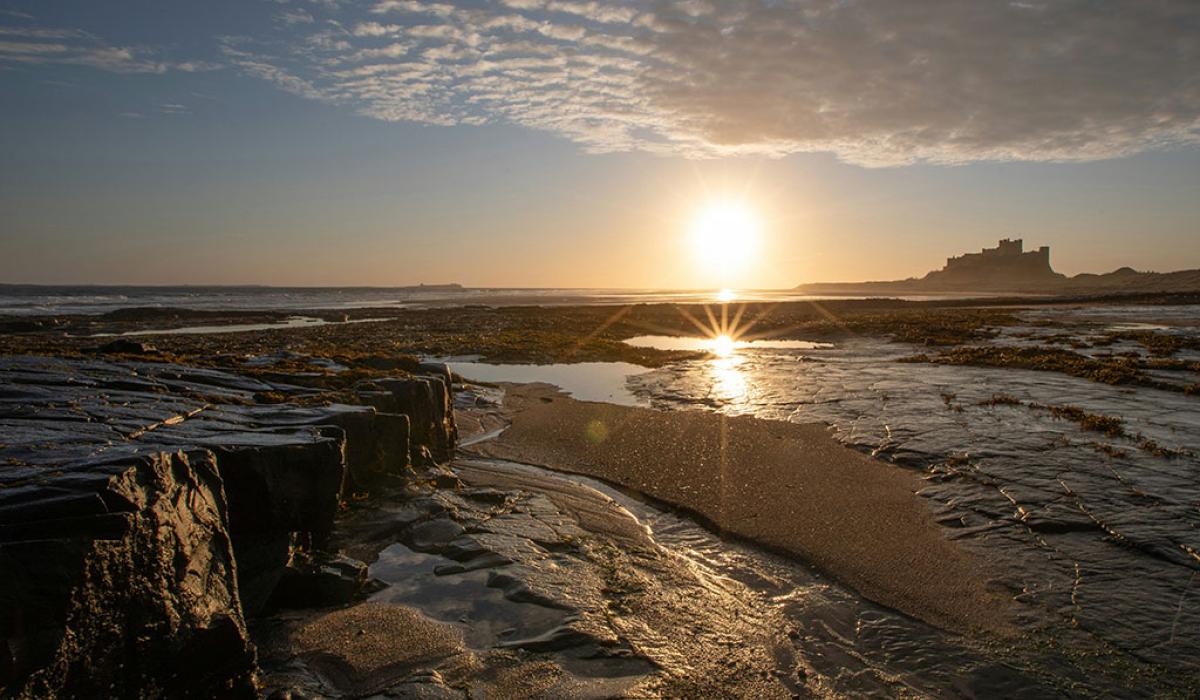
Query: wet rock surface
[(526, 584), (108, 594), (148, 509)]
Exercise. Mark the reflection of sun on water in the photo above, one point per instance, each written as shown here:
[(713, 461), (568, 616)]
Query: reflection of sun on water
[(722, 346), (729, 383)]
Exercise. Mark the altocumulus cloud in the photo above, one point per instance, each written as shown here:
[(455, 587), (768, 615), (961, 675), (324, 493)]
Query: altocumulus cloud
[(876, 82)]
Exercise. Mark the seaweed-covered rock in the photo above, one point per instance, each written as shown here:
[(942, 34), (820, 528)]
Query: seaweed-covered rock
[(123, 346)]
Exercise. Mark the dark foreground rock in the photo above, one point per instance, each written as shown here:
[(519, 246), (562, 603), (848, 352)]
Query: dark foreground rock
[(109, 583), (147, 509)]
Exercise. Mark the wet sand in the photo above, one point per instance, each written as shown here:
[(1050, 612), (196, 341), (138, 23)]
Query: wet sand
[(790, 487)]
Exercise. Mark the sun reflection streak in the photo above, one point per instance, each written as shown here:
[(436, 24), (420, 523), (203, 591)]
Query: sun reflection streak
[(728, 380), (725, 334), (722, 346)]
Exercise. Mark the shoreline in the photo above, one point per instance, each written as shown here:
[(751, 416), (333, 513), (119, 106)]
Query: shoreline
[(545, 574), (864, 526)]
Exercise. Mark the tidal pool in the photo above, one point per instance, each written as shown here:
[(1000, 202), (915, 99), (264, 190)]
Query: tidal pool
[(586, 381), (670, 342)]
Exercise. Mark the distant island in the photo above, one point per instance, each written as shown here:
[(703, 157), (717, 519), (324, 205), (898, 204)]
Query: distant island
[(451, 287), (1010, 268)]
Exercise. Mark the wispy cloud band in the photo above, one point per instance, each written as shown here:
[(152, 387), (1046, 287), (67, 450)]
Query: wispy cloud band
[(31, 45)]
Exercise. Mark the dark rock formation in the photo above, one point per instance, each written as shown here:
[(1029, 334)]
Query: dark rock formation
[(109, 583), (320, 580), (124, 347), (427, 403), (147, 509)]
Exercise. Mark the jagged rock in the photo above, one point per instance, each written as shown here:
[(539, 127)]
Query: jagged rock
[(427, 403), (438, 369), (147, 508), (128, 592)]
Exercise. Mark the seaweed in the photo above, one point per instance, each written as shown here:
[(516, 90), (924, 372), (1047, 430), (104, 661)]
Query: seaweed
[(1001, 400)]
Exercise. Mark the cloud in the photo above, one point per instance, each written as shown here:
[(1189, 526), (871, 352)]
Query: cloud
[(20, 45), (291, 17), (875, 82)]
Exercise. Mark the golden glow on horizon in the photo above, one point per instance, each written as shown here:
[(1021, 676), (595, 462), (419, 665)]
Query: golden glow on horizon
[(726, 295), (724, 238)]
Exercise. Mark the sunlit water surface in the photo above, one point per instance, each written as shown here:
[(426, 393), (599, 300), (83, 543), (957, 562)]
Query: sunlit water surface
[(1098, 539)]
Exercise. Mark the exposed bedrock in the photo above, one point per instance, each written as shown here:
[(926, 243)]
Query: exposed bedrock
[(427, 403), (146, 510), (280, 497), (130, 571)]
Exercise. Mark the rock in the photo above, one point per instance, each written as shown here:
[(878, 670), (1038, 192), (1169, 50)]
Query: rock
[(125, 347), (433, 534), (280, 496), (438, 369), (427, 403), (323, 580), (137, 599), (130, 494)]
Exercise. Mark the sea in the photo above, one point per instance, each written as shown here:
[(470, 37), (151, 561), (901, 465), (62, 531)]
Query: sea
[(37, 300)]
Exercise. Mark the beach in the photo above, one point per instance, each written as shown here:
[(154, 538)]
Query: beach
[(790, 487), (873, 497)]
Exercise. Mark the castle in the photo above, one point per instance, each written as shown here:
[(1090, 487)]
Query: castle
[(1008, 269), (1006, 252), (1006, 264)]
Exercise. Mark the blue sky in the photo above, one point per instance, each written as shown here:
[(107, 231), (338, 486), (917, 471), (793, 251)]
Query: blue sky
[(563, 143)]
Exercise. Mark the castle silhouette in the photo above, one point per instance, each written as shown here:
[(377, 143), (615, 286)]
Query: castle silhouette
[(1007, 263)]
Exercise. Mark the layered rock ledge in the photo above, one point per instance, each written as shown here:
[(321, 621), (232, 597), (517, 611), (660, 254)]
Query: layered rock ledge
[(148, 509)]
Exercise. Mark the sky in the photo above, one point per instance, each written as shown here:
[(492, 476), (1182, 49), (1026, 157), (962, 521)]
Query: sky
[(575, 143)]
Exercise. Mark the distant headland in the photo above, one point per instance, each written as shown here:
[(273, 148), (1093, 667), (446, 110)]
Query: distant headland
[(1010, 268)]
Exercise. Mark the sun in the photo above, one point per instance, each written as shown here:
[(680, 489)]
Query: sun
[(724, 237)]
